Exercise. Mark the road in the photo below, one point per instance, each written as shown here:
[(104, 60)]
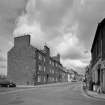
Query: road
[(63, 94)]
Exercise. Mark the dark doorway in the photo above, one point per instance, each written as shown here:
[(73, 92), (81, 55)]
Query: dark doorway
[(98, 76), (47, 77)]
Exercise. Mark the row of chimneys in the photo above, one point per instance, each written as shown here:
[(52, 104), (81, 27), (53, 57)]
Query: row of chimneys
[(25, 41)]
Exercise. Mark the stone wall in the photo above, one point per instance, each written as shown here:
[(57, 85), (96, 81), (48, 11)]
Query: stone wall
[(21, 64)]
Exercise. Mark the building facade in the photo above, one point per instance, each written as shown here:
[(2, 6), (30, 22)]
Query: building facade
[(98, 56), (28, 65), (88, 78)]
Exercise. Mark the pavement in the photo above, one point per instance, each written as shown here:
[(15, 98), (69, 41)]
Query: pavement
[(54, 94), (39, 86), (5, 90), (94, 94)]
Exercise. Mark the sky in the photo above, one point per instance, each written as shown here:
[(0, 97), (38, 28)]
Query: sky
[(66, 26)]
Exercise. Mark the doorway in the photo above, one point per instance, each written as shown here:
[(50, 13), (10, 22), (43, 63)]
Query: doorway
[(98, 76)]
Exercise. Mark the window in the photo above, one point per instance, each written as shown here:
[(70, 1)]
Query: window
[(53, 63), (49, 78), (56, 79), (44, 68), (39, 78), (50, 61), (44, 79), (40, 68), (40, 56), (56, 65), (52, 71), (52, 78), (44, 59)]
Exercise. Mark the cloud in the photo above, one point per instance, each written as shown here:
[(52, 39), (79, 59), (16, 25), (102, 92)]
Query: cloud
[(9, 11), (52, 12), (48, 14), (71, 48), (59, 23), (2, 66), (2, 57), (67, 26), (3, 63), (88, 15)]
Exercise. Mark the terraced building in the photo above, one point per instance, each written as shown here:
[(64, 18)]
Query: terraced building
[(28, 65)]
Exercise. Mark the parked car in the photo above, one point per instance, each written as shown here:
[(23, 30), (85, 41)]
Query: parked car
[(7, 83), (12, 84)]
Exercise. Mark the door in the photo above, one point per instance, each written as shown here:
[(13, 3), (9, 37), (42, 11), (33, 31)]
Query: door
[(104, 80)]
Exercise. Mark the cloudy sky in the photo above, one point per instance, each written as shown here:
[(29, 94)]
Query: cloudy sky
[(66, 26)]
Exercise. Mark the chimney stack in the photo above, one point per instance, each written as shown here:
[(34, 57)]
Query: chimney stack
[(22, 40), (47, 50)]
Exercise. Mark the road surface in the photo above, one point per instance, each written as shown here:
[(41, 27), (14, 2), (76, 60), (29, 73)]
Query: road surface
[(63, 94)]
